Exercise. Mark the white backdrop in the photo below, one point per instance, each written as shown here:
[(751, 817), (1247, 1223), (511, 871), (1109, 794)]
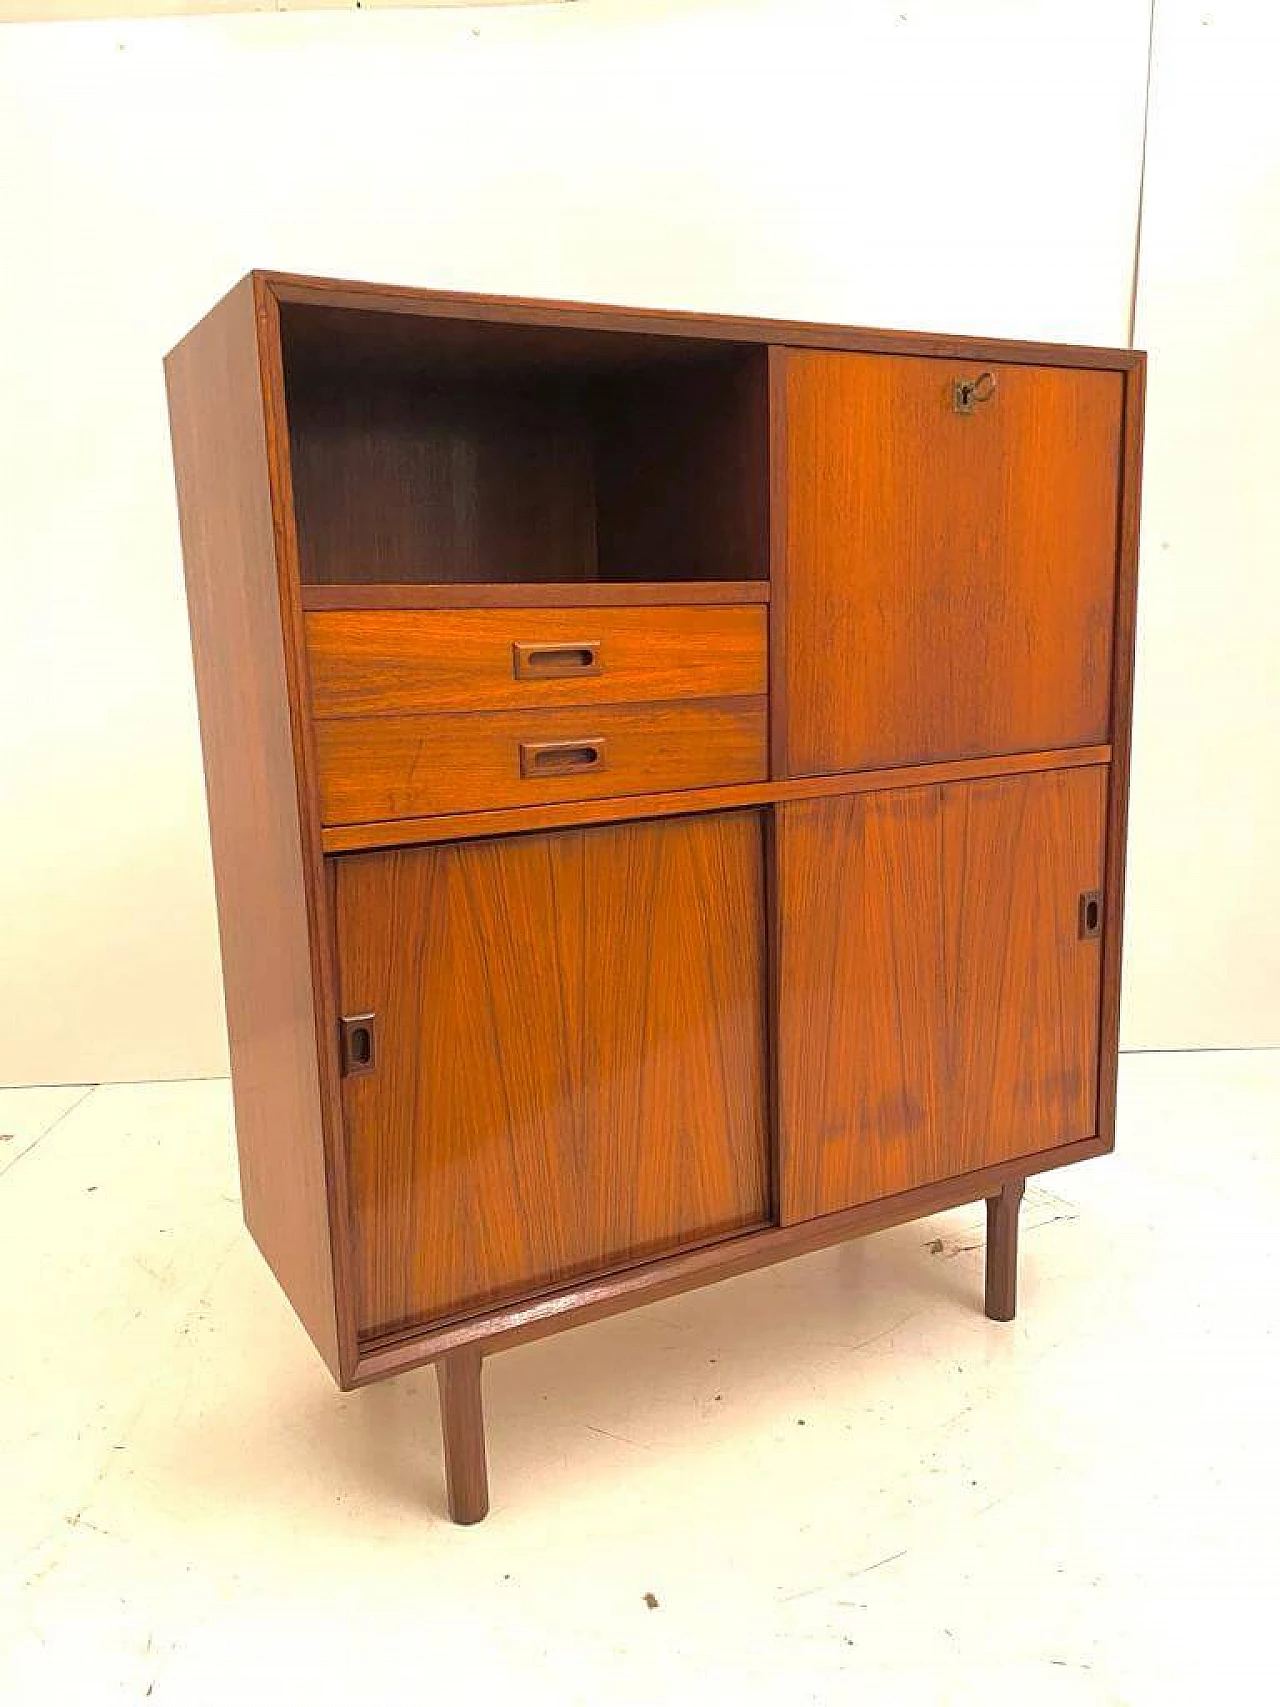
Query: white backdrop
[(965, 167), (1204, 910)]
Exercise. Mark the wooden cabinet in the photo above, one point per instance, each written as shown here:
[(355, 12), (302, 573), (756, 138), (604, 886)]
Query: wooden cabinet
[(667, 779)]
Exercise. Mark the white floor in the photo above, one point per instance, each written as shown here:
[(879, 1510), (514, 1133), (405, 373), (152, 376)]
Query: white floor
[(832, 1477)]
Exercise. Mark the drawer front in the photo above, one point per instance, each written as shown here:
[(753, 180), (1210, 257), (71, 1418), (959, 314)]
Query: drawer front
[(375, 768), (376, 661)]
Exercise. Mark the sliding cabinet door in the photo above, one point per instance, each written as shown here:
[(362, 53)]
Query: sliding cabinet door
[(563, 1067), (938, 981)]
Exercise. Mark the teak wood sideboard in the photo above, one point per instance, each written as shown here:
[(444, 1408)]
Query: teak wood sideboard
[(667, 780)]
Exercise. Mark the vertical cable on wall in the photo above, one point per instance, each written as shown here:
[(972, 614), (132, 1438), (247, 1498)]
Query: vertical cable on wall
[(1142, 177)]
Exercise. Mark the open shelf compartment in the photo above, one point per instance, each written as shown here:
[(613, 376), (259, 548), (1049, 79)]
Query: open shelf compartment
[(430, 452)]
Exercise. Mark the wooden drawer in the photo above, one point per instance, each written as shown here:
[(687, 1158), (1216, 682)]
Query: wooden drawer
[(374, 768), (371, 661)]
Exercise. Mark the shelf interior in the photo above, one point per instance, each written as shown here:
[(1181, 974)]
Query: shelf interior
[(446, 453)]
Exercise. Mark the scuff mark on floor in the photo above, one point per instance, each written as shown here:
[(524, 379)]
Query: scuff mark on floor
[(887, 1560), (622, 1438), (52, 1127)]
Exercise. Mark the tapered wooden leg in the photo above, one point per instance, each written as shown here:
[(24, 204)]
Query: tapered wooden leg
[(1002, 1251), (462, 1425)]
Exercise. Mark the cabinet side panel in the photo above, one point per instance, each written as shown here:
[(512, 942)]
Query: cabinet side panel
[(224, 503), (1121, 730)]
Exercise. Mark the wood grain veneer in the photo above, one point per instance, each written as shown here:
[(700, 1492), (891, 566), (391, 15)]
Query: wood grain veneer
[(415, 469), (229, 547), (370, 661), (948, 578), (558, 1308), (571, 1038), (951, 1020), (1023, 983), (376, 768), (467, 330), (1122, 655), (682, 471), (393, 479), (498, 821), (481, 595)]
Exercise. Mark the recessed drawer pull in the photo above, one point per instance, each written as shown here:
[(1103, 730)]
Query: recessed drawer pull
[(359, 1038), (548, 663), (561, 758), (1090, 913)]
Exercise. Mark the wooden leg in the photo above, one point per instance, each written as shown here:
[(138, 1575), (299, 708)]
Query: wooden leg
[(1002, 1252), (462, 1425)]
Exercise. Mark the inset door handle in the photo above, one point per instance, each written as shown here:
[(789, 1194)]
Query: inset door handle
[(966, 392), (359, 1036), (561, 758), (536, 662), (1090, 913)]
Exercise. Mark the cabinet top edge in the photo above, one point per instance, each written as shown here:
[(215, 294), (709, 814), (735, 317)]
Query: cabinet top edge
[(321, 292)]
